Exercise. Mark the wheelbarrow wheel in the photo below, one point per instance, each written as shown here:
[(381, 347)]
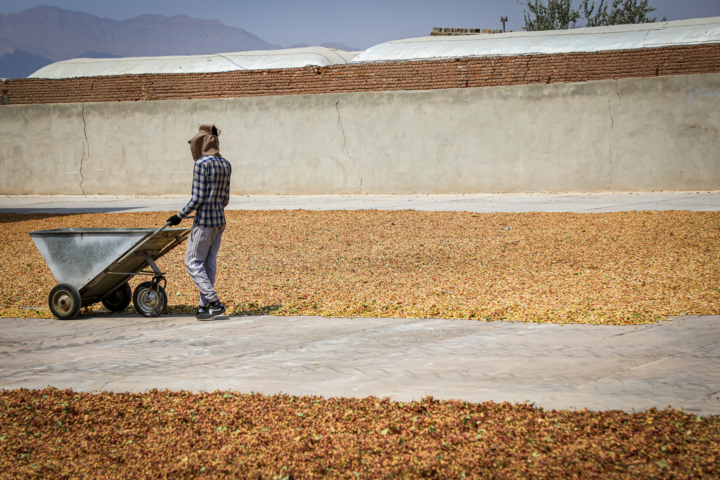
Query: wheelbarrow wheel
[(149, 301), (64, 301), (119, 300)]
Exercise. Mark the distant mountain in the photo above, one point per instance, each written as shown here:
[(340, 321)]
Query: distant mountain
[(5, 47), (63, 34), (336, 46), (20, 64)]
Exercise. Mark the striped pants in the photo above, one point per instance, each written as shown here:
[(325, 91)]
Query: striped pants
[(201, 260)]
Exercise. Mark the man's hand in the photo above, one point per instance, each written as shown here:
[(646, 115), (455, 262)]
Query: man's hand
[(174, 220)]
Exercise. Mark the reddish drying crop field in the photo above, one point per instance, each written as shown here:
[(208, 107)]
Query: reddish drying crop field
[(606, 268), (61, 434)]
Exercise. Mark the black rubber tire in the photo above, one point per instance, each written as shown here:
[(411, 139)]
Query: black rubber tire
[(64, 301), (119, 300), (147, 302)]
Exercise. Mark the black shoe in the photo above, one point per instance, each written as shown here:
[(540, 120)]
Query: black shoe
[(214, 309), (200, 311)]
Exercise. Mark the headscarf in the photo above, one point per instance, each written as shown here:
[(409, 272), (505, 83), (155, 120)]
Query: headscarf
[(206, 142)]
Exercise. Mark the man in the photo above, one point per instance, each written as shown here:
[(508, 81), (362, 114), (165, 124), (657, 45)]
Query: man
[(210, 196)]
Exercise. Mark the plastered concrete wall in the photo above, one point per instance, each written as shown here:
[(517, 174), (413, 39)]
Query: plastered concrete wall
[(634, 134)]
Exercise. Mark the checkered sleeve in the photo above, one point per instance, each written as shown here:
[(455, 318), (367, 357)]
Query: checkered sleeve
[(199, 190), (226, 199)]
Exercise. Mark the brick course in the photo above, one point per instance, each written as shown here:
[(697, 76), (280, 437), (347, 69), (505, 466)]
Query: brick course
[(374, 77)]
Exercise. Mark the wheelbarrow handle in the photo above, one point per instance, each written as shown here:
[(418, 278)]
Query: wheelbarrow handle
[(139, 244), (167, 224)]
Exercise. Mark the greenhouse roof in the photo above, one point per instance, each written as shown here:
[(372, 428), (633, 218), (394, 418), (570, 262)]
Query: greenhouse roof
[(226, 62), (593, 39)]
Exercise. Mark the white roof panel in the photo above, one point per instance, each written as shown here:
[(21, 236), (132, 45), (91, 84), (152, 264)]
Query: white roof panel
[(594, 39), (226, 62)]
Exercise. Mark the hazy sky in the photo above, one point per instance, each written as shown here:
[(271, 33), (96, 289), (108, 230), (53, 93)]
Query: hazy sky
[(354, 23)]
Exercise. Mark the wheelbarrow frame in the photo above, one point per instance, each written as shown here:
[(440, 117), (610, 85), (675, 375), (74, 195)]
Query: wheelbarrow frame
[(66, 299), (156, 274)]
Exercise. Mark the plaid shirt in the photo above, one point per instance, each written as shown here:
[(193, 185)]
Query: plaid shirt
[(210, 192)]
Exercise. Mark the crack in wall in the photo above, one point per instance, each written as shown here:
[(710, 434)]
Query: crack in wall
[(82, 160), (347, 152), (610, 135), (612, 131)]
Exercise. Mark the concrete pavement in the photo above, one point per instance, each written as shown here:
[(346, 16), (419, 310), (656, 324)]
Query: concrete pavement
[(535, 202), (598, 367)]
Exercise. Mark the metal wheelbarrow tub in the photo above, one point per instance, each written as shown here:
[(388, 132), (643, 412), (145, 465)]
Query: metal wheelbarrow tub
[(95, 264)]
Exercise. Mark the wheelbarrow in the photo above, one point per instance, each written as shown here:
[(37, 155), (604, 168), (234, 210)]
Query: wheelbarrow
[(95, 265)]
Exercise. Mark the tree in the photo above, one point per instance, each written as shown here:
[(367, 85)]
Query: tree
[(622, 12), (560, 14), (556, 15)]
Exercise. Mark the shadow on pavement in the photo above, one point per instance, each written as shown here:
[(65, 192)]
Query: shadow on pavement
[(65, 211), (253, 309), (219, 318)]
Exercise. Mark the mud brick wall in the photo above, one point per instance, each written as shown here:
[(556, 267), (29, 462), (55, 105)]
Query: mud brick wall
[(425, 75)]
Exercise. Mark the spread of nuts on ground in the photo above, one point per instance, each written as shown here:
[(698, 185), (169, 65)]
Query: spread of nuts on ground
[(601, 268)]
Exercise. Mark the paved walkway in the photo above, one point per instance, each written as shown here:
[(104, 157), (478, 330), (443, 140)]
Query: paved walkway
[(561, 202), (598, 367)]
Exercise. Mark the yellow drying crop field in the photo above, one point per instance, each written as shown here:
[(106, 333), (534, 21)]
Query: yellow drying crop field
[(602, 268)]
